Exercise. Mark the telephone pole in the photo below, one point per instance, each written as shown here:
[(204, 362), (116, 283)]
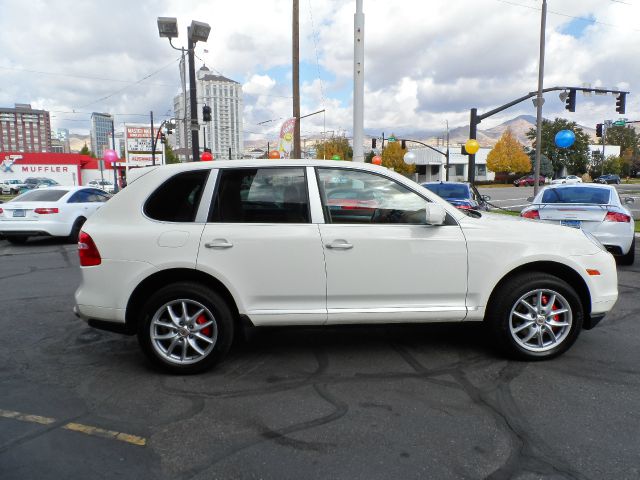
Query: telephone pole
[(296, 77)]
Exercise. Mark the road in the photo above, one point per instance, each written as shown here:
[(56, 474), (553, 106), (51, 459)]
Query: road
[(515, 198), (410, 402)]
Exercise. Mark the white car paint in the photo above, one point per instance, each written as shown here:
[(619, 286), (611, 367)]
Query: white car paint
[(289, 274), (569, 179)]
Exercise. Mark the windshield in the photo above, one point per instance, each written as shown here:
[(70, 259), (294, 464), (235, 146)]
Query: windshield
[(576, 195), (446, 190), (40, 196)]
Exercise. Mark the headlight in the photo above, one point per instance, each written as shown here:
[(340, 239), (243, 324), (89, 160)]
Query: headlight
[(594, 240)]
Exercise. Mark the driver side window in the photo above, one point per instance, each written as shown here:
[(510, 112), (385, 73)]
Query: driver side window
[(350, 196)]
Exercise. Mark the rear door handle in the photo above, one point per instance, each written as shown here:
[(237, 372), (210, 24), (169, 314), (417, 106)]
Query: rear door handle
[(339, 245), (220, 243)]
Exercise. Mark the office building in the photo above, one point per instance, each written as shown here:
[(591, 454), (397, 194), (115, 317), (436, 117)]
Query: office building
[(101, 128), (24, 129)]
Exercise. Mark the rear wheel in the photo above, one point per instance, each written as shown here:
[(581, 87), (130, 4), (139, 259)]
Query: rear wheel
[(186, 328), (18, 239), (629, 257), (535, 316)]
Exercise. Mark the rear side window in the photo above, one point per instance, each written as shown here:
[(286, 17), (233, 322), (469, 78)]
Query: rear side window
[(41, 196), (261, 195), (177, 199)]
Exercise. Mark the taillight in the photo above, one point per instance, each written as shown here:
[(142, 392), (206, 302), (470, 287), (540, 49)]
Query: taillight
[(532, 214), (45, 211), (617, 217), (1, 210), (88, 252)]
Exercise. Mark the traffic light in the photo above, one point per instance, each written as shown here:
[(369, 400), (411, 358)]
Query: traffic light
[(571, 101), (206, 113), (599, 130), (163, 138), (373, 143), (620, 102)]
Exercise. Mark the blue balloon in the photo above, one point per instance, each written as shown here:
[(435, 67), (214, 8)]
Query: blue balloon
[(565, 138)]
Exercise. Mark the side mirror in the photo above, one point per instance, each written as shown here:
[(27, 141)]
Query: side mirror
[(435, 214), (629, 200), (529, 199)]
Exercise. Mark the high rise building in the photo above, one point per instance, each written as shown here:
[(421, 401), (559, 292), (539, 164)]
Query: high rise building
[(101, 127), (223, 134), (62, 134), (23, 129)]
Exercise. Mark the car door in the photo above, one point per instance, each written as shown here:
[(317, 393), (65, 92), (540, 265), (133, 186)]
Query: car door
[(260, 242), (384, 264)]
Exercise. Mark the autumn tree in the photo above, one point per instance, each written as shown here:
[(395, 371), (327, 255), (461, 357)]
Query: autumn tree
[(334, 146), (393, 157), (629, 141), (508, 155)]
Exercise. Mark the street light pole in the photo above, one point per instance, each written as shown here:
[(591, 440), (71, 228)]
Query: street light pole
[(473, 132), (193, 100), (358, 83), (540, 101)]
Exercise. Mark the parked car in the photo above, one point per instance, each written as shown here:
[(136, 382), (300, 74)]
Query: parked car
[(11, 186), (596, 209), (568, 179), (105, 185), (528, 181), (186, 255), (459, 194), (37, 182), (608, 178), (52, 211)]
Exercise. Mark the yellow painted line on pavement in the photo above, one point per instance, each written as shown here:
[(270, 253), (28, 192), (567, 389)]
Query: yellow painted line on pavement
[(76, 427)]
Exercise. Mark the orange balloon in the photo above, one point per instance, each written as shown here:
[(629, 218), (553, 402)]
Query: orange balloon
[(274, 154), (206, 157), (377, 160)]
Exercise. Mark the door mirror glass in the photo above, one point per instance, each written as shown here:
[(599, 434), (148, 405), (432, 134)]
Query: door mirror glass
[(529, 199), (629, 200), (435, 214)]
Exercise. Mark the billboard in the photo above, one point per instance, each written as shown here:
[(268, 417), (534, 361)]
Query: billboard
[(137, 146)]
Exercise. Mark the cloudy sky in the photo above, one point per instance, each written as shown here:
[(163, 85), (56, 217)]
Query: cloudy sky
[(426, 61)]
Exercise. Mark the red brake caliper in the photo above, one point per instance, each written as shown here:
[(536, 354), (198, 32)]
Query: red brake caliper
[(200, 320), (545, 300)]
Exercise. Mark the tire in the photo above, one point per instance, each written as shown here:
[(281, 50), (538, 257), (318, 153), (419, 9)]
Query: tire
[(75, 230), (17, 240), (544, 337), (185, 342), (629, 257)]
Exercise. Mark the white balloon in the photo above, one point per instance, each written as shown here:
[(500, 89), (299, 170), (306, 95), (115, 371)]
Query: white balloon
[(410, 158)]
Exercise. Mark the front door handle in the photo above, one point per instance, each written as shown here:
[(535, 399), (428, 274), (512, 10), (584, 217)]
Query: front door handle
[(219, 243), (339, 245)]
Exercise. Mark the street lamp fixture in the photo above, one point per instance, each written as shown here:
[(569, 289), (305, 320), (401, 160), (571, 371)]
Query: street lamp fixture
[(168, 27), (198, 32)]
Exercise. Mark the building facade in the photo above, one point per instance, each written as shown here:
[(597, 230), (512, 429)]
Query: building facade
[(223, 134), (24, 129), (101, 128)]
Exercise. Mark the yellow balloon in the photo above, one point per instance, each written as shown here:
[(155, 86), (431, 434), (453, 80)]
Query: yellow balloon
[(472, 146)]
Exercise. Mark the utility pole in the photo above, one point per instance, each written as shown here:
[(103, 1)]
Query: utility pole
[(296, 77), (473, 133), (447, 155), (153, 143), (185, 120), (536, 176), (195, 140), (358, 83)]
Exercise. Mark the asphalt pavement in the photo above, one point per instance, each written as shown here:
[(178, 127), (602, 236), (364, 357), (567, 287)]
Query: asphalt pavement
[(409, 402)]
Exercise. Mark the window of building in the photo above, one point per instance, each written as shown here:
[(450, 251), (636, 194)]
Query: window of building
[(459, 169)]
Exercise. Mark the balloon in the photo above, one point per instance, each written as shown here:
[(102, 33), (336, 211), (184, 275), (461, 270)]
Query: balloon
[(565, 138), (377, 160), (274, 154), (472, 146), (336, 157), (409, 158), (109, 155), (206, 157)]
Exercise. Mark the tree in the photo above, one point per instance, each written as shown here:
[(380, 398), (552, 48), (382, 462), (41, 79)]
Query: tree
[(508, 155), (169, 155), (85, 150), (334, 146), (575, 158), (393, 157), (629, 142), (369, 156)]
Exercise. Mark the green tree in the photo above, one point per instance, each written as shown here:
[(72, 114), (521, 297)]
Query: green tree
[(508, 155), (334, 146), (169, 155), (85, 150), (574, 158), (369, 156), (629, 142), (393, 157)]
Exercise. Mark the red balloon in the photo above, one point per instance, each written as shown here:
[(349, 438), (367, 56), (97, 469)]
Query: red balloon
[(377, 160), (206, 157), (274, 154)]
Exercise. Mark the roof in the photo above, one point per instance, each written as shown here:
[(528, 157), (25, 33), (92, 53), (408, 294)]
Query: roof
[(218, 78)]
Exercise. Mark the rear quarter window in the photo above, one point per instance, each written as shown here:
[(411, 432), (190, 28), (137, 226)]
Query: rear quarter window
[(178, 198)]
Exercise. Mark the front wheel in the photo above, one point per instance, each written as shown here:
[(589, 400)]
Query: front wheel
[(186, 328), (535, 316)]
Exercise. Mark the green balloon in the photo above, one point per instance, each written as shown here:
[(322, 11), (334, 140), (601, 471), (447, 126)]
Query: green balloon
[(336, 157)]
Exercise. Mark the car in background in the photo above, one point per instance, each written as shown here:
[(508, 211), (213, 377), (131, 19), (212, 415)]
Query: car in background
[(568, 179), (11, 186), (528, 181), (608, 178), (105, 185), (459, 194), (51, 211), (595, 209), (187, 252), (37, 182)]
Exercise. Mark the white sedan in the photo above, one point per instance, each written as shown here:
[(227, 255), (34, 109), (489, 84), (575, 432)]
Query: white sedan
[(596, 209), (568, 179), (51, 211)]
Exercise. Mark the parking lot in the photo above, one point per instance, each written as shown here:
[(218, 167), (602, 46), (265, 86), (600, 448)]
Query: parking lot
[(431, 401)]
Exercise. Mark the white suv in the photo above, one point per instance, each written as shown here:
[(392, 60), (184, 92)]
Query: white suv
[(189, 253)]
